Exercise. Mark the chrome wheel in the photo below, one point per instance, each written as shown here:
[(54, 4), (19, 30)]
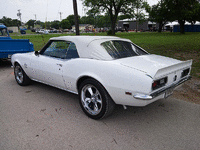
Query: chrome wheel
[(19, 74), (91, 99)]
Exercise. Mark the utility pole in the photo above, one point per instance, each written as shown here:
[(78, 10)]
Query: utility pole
[(60, 16), (35, 20), (19, 15), (35, 17), (76, 17), (137, 17)]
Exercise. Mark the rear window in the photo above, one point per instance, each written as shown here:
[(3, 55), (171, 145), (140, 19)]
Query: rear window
[(3, 32), (122, 49)]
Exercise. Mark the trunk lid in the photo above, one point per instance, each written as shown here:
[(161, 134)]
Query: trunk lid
[(154, 65)]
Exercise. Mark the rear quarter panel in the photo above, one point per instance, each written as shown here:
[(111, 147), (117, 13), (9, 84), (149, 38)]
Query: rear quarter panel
[(116, 79)]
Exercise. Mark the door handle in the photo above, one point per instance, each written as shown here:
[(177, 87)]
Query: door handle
[(59, 65)]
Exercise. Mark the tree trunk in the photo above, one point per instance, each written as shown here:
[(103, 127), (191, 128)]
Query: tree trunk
[(113, 27), (76, 17), (182, 23), (113, 23), (160, 27)]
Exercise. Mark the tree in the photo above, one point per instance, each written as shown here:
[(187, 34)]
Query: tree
[(112, 7), (122, 17), (183, 10), (103, 21), (70, 18), (30, 23), (159, 13), (7, 21), (16, 22), (87, 20), (55, 24), (10, 22), (40, 24), (139, 15), (64, 24)]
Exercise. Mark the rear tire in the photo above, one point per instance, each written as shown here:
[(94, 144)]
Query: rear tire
[(20, 76), (94, 100)]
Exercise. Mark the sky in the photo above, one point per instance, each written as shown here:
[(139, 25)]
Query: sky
[(43, 10)]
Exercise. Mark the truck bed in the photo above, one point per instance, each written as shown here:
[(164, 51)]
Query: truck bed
[(10, 46)]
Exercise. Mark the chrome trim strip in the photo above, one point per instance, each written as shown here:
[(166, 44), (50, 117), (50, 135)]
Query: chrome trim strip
[(157, 93), (142, 97)]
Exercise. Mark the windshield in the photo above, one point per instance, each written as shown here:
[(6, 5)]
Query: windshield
[(122, 49), (3, 32)]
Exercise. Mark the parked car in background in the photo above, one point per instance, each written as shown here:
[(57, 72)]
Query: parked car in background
[(33, 30), (53, 30), (22, 31), (66, 30), (43, 31), (10, 31), (103, 71)]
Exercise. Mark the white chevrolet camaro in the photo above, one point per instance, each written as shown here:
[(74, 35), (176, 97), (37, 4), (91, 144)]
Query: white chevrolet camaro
[(103, 71)]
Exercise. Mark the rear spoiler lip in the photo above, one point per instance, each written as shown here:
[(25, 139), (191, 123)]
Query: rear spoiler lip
[(173, 68)]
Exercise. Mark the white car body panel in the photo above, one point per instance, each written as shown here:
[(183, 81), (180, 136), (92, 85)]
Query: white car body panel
[(133, 74)]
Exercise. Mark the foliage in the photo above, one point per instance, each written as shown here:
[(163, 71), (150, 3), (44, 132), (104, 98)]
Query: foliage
[(88, 20), (109, 32), (113, 8), (98, 21), (170, 10), (139, 14), (39, 23), (183, 10), (10, 22), (159, 13), (71, 20), (55, 24), (64, 24), (122, 17), (30, 23)]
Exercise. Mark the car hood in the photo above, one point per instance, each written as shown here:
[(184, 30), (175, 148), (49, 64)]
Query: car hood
[(151, 64)]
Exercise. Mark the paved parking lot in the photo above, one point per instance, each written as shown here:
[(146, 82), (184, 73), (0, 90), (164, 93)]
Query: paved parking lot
[(45, 118)]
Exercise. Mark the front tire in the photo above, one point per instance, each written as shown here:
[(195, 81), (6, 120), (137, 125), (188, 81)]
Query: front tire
[(20, 76), (94, 99)]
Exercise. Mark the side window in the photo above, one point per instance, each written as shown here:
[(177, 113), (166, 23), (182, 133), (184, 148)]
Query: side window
[(72, 51), (57, 49)]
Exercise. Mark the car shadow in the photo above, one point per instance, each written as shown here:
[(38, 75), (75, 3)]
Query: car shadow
[(5, 64), (157, 109)]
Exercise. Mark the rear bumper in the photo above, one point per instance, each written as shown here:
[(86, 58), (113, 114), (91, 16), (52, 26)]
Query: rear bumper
[(160, 92)]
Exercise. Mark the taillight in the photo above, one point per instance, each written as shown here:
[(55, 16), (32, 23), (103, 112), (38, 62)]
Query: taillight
[(185, 72), (159, 83), (154, 84)]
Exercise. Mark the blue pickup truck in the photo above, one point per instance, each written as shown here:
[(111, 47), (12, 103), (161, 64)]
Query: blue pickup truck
[(9, 46)]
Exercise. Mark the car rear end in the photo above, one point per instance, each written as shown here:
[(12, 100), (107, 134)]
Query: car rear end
[(166, 80)]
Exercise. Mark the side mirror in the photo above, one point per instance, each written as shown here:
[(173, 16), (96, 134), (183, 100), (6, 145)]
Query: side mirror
[(36, 53)]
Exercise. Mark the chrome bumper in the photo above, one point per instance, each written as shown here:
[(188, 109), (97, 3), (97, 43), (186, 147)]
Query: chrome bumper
[(159, 92)]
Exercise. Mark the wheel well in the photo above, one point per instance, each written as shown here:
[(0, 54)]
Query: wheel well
[(88, 77), (83, 79), (15, 63)]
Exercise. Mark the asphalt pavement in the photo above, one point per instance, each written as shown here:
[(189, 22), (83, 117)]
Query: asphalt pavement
[(45, 118)]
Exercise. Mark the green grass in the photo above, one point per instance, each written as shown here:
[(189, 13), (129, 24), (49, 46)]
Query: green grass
[(175, 45)]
